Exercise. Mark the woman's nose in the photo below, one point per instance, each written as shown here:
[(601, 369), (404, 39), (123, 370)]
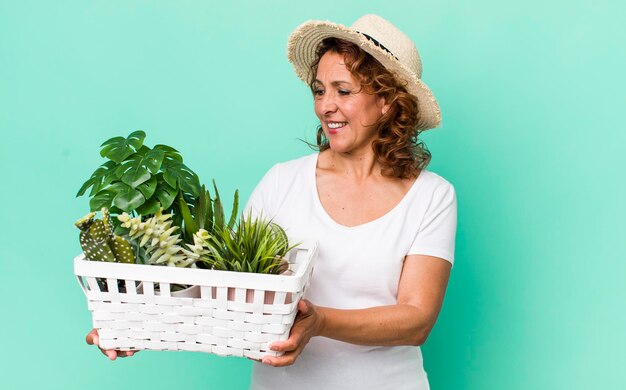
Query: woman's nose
[(329, 108), (329, 105)]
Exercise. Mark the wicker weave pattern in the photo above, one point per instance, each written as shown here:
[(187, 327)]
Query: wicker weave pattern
[(225, 313)]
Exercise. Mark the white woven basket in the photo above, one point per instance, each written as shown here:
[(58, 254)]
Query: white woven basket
[(228, 313)]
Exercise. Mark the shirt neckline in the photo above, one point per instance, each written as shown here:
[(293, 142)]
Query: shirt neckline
[(322, 211)]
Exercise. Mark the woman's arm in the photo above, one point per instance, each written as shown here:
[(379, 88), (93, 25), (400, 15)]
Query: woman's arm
[(421, 290)]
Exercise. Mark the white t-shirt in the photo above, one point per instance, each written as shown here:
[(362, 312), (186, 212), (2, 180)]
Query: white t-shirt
[(357, 267)]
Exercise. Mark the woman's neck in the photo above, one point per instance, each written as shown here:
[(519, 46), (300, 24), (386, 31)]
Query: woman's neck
[(357, 166)]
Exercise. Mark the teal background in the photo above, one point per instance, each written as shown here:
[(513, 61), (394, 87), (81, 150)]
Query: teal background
[(532, 138)]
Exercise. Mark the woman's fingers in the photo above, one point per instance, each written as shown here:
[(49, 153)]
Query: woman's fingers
[(303, 307), (280, 361), (291, 344), (294, 340), (93, 339), (288, 358), (302, 330), (110, 353), (291, 353), (114, 354)]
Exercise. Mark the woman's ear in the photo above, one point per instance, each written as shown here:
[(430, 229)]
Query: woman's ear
[(384, 106)]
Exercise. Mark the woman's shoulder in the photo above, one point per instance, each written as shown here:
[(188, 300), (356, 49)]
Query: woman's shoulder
[(432, 182), (433, 178), (286, 171), (299, 162), (278, 182), (294, 167)]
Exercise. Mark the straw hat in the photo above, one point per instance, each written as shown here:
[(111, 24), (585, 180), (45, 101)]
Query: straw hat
[(381, 39)]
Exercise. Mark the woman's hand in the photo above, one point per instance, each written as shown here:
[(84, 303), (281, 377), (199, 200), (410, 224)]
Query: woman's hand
[(309, 322), (93, 338)]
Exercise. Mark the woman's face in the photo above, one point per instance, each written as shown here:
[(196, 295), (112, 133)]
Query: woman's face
[(347, 113)]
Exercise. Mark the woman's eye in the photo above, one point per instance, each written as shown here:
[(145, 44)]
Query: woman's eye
[(344, 92), (318, 92)]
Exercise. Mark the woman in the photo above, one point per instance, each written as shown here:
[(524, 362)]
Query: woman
[(385, 226)]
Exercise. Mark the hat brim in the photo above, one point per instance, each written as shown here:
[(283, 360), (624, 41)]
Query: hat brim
[(305, 39)]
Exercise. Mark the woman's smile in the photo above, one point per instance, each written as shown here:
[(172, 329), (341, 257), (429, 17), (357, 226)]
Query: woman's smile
[(334, 127)]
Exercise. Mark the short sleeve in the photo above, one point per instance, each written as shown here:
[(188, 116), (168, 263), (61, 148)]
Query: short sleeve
[(264, 198), (436, 235)]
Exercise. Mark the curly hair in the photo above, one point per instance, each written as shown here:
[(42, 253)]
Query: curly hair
[(397, 148)]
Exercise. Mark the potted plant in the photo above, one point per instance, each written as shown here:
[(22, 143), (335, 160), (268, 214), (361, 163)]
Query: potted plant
[(144, 182), (100, 243), (243, 277), (254, 245)]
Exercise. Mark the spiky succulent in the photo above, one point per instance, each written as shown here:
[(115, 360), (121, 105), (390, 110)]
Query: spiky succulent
[(255, 245), (198, 249), (156, 236), (100, 243)]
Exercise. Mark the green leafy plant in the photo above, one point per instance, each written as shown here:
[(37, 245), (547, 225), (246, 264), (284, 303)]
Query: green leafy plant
[(139, 180), (169, 218), (255, 245), (207, 213)]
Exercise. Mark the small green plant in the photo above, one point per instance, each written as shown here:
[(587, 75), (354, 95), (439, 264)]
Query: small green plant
[(167, 218), (139, 180), (207, 213), (100, 243), (255, 245), (156, 236)]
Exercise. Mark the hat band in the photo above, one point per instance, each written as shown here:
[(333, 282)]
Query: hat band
[(378, 44)]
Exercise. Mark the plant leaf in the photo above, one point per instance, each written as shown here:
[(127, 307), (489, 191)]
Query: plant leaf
[(178, 175), (127, 198), (120, 230), (190, 225), (169, 152), (118, 148), (218, 209), (165, 194), (134, 170), (170, 179), (177, 220), (235, 211), (98, 177), (110, 178), (115, 210), (208, 222), (151, 206), (201, 207), (154, 159), (148, 188), (102, 199)]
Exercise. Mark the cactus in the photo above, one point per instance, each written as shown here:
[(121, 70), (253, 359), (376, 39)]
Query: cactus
[(156, 236), (84, 222), (122, 250), (100, 243)]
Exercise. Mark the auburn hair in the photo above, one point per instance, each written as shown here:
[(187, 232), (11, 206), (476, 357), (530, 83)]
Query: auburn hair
[(397, 148)]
